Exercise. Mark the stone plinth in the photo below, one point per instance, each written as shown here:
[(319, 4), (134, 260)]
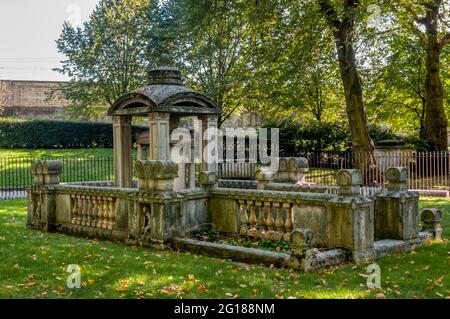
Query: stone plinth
[(156, 175), (431, 221), (396, 208), (349, 182), (291, 169)]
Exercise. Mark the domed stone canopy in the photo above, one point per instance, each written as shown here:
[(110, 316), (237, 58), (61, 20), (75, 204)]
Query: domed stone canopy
[(165, 93)]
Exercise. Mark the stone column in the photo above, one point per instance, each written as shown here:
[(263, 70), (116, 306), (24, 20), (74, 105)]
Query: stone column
[(159, 136), (209, 161), (140, 152), (122, 151)]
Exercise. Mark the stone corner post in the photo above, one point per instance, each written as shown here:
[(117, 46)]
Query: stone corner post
[(396, 209), (207, 179), (349, 182), (431, 222), (41, 197)]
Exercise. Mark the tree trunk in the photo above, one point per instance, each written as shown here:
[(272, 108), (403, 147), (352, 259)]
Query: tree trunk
[(362, 143), (435, 118)]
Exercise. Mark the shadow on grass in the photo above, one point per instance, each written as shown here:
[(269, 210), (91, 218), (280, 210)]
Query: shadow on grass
[(33, 265)]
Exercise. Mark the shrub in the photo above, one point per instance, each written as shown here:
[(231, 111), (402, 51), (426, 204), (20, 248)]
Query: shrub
[(297, 139), (55, 134)]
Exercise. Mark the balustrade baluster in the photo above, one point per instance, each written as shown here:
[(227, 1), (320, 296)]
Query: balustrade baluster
[(270, 221), (244, 217), (83, 210), (74, 208), (100, 212), (89, 210), (105, 213), (279, 222), (288, 224), (252, 231), (94, 211), (112, 213), (261, 219)]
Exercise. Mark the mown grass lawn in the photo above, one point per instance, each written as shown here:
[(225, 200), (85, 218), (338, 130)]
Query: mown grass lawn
[(79, 165), (82, 152), (33, 265)]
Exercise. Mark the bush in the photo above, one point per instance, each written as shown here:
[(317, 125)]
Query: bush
[(297, 139), (55, 134)]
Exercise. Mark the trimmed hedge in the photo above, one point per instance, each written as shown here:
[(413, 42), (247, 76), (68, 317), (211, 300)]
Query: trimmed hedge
[(55, 134)]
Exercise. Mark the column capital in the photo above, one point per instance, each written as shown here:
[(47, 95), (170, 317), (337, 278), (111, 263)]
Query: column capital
[(156, 116), (126, 119)]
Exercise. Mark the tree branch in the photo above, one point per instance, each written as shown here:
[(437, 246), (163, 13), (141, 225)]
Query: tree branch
[(445, 39)]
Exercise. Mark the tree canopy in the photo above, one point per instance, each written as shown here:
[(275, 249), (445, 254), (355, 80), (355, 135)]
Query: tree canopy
[(314, 61)]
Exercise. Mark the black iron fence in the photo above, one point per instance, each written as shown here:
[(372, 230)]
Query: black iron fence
[(427, 170), (15, 173)]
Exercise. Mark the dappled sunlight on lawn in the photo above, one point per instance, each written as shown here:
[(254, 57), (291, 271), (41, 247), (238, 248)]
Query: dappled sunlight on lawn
[(33, 265)]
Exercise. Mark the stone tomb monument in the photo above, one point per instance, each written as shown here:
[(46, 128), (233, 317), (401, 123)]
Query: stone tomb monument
[(324, 228)]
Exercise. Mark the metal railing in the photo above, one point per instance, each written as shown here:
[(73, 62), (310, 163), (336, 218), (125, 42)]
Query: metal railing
[(427, 170), (15, 173)]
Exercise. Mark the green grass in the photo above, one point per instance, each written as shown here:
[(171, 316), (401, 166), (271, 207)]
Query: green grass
[(33, 264), (78, 165), (86, 152)]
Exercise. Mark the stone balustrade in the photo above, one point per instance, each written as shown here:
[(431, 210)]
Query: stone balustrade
[(93, 211), (274, 225)]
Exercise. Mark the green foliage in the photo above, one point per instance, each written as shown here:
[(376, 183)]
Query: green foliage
[(55, 134), (296, 138), (108, 56)]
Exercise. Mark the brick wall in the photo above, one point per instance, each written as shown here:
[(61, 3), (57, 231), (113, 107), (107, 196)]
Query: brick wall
[(31, 99)]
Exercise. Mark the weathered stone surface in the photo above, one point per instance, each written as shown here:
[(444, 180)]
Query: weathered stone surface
[(301, 240), (397, 178), (46, 172), (156, 175), (315, 259), (315, 218), (396, 208), (207, 179), (349, 181), (431, 221), (235, 253), (386, 247)]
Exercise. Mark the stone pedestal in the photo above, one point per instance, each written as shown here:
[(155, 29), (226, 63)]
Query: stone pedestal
[(431, 221), (351, 221), (262, 179), (41, 198), (396, 209), (349, 182), (291, 169), (122, 151), (156, 175)]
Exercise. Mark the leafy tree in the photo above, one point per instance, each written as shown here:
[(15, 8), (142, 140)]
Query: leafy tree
[(342, 17), (4, 96), (208, 42), (397, 92), (108, 56), (429, 20)]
